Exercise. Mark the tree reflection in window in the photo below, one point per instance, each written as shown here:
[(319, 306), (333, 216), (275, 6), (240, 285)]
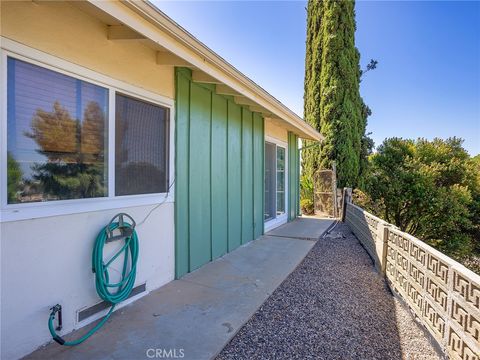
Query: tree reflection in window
[(14, 178), (65, 157)]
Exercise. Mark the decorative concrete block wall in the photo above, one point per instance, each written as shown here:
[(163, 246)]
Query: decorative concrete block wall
[(370, 230), (443, 294)]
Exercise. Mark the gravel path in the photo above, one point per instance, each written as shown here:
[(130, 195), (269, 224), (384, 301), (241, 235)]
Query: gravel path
[(333, 306)]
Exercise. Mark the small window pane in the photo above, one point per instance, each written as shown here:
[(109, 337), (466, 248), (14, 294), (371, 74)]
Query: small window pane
[(280, 203), (280, 158), (270, 189), (280, 180), (141, 147), (56, 135)]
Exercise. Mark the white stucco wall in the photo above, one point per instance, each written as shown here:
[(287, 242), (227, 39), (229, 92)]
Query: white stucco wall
[(46, 260)]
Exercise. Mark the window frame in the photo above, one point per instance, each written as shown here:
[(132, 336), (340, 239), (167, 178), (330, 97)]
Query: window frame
[(22, 211), (167, 147), (283, 218)]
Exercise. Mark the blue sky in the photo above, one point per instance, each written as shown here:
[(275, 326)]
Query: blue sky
[(427, 83)]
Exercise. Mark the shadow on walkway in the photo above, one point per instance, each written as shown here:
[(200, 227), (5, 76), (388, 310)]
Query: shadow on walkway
[(333, 306)]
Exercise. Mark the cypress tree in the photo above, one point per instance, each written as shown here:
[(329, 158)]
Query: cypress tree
[(332, 102)]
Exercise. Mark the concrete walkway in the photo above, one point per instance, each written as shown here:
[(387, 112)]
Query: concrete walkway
[(197, 315), (303, 228)]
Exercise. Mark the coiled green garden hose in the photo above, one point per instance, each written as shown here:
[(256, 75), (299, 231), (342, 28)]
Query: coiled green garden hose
[(112, 293)]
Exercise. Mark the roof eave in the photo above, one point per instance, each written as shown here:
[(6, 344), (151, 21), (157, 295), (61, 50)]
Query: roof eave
[(206, 60)]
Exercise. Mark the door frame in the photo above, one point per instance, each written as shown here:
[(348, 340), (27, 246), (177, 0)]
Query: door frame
[(282, 219)]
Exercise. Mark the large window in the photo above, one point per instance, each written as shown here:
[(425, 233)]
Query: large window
[(57, 139), (274, 181)]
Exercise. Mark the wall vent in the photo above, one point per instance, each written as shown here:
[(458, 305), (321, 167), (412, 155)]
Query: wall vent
[(92, 310)]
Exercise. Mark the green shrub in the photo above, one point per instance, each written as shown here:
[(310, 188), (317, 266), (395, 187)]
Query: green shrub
[(306, 205), (429, 189), (306, 188)]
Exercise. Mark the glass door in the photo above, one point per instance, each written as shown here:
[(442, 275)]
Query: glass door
[(275, 169), (270, 181), (280, 181)]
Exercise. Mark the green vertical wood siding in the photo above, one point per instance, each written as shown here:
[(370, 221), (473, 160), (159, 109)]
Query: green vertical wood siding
[(182, 123), (199, 176), (234, 175), (258, 175), (219, 174), (247, 176), (293, 176)]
